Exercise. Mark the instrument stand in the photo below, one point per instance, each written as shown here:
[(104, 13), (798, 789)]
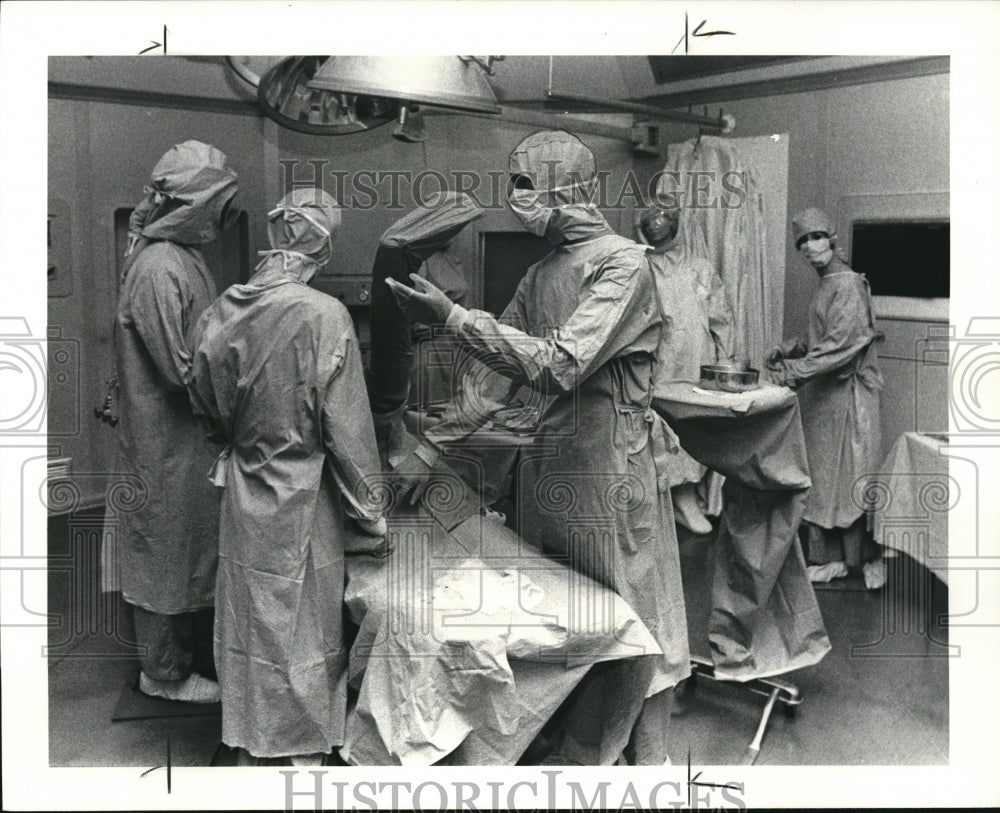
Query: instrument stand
[(774, 689)]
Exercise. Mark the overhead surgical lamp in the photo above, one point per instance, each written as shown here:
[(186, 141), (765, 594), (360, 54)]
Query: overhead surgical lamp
[(284, 95), (341, 95), (452, 82)]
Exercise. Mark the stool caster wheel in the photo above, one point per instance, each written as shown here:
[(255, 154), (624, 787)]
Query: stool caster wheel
[(790, 712)]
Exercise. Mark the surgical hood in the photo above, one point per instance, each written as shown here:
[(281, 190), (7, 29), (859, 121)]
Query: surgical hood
[(190, 189), (558, 166)]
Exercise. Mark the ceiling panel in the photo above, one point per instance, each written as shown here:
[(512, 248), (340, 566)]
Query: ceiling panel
[(667, 69)]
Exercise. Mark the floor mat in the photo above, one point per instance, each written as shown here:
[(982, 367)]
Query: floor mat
[(852, 583), (134, 705)]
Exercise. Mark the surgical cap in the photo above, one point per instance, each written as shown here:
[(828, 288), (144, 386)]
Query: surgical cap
[(809, 221), (305, 221), (558, 163), (189, 189)]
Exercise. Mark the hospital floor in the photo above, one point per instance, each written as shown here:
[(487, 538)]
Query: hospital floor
[(880, 697)]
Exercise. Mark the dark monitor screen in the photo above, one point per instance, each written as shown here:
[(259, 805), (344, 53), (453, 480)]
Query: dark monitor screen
[(903, 258), (506, 258)]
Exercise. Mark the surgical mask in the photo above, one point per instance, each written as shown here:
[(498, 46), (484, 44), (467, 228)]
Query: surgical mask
[(527, 207), (303, 213), (230, 215), (533, 214), (156, 205), (817, 251), (660, 228)]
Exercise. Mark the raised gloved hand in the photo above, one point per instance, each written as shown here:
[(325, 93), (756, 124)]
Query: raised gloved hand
[(373, 527), (425, 302)]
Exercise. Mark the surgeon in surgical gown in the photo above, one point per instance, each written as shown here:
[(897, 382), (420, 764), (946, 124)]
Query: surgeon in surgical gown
[(582, 330), (277, 372), (835, 370), (168, 543), (697, 330)]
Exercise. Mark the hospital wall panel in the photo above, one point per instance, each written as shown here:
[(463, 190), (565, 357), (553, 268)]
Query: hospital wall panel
[(879, 138), (100, 156), (916, 382)]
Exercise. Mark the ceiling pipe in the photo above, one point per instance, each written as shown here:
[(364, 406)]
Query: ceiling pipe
[(723, 123), (548, 121)]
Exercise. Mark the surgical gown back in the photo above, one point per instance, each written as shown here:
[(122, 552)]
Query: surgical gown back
[(167, 529), (278, 372)]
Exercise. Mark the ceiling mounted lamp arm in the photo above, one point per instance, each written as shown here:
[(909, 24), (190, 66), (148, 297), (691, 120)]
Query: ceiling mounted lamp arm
[(243, 71), (486, 64), (724, 123)]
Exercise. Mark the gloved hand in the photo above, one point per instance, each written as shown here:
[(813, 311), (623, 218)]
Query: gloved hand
[(779, 375), (424, 303), (793, 348), (371, 542), (412, 476), (373, 527), (788, 349)]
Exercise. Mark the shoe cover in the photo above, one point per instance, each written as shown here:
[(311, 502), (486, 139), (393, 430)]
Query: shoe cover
[(686, 510), (874, 573), (193, 689), (826, 573), (307, 760)]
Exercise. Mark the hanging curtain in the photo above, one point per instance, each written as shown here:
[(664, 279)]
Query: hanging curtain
[(724, 215)]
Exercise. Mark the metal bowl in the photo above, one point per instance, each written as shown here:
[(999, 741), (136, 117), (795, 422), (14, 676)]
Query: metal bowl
[(729, 377)]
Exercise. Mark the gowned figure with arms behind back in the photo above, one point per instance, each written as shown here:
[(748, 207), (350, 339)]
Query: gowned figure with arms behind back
[(168, 546), (277, 372)]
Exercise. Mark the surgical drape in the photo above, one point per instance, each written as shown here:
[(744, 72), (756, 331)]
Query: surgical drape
[(278, 373), (710, 179), (475, 643), (839, 386), (764, 619)]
